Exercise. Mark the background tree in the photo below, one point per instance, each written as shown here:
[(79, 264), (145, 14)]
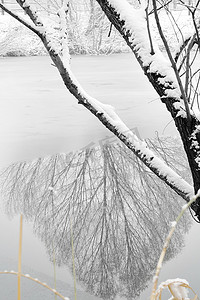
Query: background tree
[(88, 30)]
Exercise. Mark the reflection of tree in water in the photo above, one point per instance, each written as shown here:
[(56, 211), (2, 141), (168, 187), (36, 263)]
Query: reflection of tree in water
[(120, 212)]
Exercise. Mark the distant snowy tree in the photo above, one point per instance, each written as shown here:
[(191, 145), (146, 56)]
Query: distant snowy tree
[(89, 29), (98, 25)]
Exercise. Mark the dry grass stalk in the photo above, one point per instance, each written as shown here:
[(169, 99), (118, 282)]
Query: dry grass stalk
[(37, 281), (19, 274), (173, 285), (20, 259), (166, 244)]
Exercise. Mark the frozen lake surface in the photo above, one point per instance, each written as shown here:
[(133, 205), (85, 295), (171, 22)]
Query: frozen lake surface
[(39, 117)]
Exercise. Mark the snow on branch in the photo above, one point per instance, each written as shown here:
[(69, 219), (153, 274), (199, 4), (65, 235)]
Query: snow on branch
[(62, 13), (135, 24), (37, 26), (31, 11)]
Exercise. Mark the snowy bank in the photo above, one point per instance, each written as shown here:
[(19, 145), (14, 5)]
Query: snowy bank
[(16, 40)]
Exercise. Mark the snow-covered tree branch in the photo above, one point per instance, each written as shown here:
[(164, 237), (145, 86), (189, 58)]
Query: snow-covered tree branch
[(162, 73)]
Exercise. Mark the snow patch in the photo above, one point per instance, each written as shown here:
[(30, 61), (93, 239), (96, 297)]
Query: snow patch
[(173, 224), (179, 292), (184, 207), (63, 33)]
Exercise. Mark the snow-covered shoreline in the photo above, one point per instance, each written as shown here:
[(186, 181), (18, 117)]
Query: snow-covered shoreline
[(16, 40)]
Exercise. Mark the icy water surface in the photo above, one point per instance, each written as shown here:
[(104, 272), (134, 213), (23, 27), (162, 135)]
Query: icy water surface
[(39, 117)]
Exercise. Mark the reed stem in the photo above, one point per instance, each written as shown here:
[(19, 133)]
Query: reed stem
[(20, 259)]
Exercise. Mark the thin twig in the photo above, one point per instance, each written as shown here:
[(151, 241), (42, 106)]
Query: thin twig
[(159, 8), (172, 62), (148, 29)]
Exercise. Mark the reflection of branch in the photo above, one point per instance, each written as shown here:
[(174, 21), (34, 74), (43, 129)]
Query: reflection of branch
[(117, 208)]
